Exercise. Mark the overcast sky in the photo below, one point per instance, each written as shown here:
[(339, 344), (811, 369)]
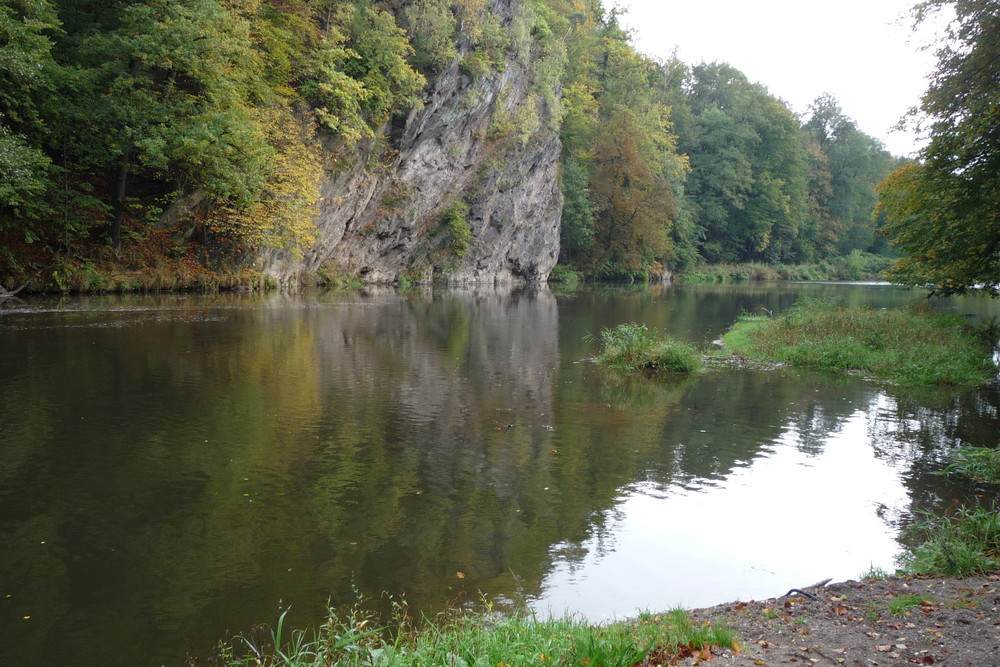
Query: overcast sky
[(861, 51)]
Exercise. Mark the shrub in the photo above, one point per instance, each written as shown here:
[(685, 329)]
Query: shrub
[(458, 228)]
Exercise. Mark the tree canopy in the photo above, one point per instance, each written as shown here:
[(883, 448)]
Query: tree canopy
[(943, 212)]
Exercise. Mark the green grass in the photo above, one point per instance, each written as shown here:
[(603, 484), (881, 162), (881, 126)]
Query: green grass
[(911, 347), (962, 544), (979, 463), (904, 604), (483, 638), (874, 573), (634, 346)]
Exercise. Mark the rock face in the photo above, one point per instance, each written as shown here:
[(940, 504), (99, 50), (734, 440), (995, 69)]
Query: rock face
[(465, 190)]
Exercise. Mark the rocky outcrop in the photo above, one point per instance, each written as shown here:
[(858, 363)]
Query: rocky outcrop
[(465, 190)]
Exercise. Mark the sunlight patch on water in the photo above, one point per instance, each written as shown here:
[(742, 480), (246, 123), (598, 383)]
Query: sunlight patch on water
[(786, 521)]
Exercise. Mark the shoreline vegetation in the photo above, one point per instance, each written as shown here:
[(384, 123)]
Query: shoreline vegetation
[(482, 638), (914, 347), (146, 273), (963, 544), (855, 266)]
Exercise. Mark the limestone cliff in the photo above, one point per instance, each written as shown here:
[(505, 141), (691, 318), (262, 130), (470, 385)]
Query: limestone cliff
[(463, 190)]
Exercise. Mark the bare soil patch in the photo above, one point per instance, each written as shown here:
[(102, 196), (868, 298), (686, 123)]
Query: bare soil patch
[(896, 621)]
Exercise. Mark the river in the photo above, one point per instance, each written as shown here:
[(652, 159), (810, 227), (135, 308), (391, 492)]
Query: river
[(178, 468)]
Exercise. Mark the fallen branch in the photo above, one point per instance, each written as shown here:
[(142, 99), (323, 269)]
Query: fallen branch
[(818, 584)]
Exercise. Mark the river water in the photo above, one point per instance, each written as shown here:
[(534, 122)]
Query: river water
[(178, 468)]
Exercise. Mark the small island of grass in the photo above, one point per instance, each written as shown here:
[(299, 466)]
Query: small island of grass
[(912, 347), (632, 346)]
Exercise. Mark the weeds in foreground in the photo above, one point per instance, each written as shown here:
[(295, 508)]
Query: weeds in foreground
[(959, 545), (485, 638), (911, 347), (979, 463), (634, 346)]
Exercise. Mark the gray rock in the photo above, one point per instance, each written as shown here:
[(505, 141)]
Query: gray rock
[(381, 216)]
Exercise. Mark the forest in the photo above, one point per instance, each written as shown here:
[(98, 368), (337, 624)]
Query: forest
[(201, 131)]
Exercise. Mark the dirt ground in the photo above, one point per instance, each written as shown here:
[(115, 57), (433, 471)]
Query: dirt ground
[(932, 622)]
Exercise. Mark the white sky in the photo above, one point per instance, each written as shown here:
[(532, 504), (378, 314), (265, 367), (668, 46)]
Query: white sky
[(860, 51)]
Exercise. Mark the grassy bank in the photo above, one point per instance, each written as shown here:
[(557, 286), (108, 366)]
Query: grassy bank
[(912, 347), (634, 346), (960, 544), (855, 266), (483, 638)]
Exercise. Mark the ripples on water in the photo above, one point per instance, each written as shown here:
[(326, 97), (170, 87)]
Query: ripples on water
[(179, 467)]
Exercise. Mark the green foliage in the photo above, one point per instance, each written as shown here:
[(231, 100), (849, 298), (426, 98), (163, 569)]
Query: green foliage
[(944, 212), (904, 605), (857, 265), (874, 573), (749, 182), (377, 57), (634, 346), (979, 463), (562, 273), (577, 229), (27, 73), (481, 638), (959, 545), (454, 220), (200, 117), (431, 26), (912, 347), (848, 167), (702, 165)]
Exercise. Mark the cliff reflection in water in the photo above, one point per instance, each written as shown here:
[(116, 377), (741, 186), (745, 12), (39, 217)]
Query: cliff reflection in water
[(177, 468)]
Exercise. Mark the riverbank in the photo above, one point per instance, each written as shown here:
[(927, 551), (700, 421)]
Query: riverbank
[(161, 265), (896, 620), (853, 267), (904, 620)]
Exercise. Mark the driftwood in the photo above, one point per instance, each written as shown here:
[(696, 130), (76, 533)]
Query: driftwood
[(6, 293), (818, 584)]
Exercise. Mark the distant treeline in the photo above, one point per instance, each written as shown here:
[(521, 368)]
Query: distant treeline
[(670, 164)]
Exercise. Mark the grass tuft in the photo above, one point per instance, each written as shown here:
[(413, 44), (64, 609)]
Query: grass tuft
[(911, 347), (904, 604), (874, 573), (634, 347)]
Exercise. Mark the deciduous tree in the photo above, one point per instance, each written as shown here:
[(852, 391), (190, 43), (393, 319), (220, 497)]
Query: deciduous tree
[(944, 212)]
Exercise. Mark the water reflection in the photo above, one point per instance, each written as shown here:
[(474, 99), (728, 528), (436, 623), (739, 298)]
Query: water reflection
[(177, 467), (759, 510)]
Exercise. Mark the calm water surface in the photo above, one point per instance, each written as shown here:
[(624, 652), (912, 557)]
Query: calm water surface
[(174, 469)]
